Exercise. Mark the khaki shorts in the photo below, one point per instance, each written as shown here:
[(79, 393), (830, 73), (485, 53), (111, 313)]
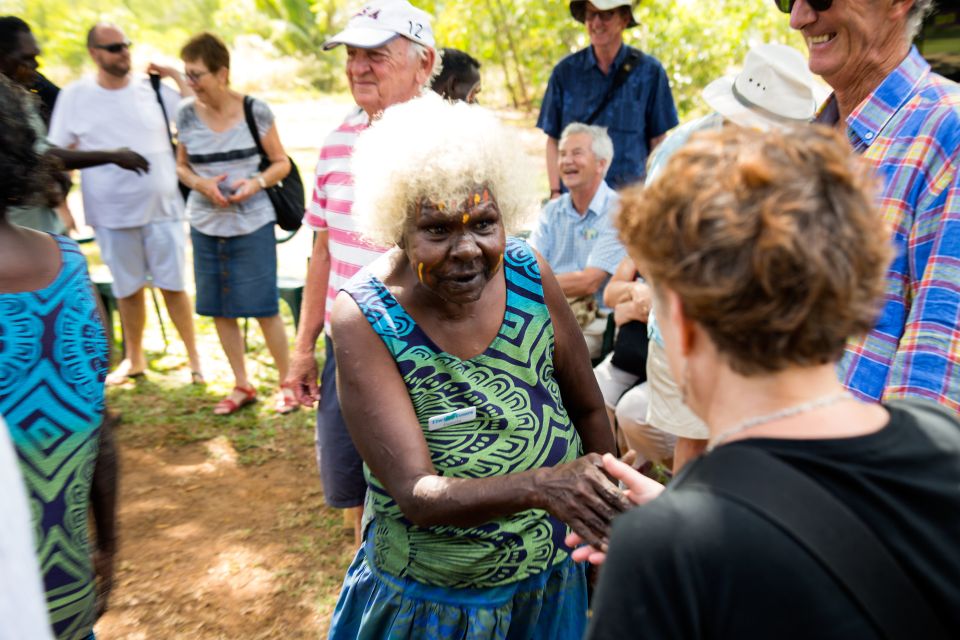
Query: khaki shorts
[(666, 410)]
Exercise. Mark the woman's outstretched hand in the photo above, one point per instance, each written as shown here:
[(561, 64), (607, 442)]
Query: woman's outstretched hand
[(582, 495), (640, 490)]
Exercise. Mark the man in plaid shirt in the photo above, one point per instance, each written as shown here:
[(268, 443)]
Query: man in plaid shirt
[(905, 120)]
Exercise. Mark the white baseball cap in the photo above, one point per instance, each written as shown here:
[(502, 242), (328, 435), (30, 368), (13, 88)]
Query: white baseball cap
[(578, 8), (380, 21), (775, 88)]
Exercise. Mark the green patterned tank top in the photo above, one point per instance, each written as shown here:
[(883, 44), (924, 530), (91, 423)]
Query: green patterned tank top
[(495, 414)]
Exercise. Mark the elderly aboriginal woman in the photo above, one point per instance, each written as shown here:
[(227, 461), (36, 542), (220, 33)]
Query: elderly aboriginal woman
[(765, 255), (466, 386)]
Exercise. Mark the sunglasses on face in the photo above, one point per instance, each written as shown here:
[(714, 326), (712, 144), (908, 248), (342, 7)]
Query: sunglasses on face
[(786, 6), (605, 16), (114, 47)]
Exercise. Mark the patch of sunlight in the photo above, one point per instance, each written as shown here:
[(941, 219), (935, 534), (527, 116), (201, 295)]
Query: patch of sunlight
[(240, 570), (184, 531), (221, 451)]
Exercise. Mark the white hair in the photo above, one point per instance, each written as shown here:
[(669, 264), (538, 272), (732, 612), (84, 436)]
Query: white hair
[(422, 52), (601, 144), (915, 17), (428, 148)]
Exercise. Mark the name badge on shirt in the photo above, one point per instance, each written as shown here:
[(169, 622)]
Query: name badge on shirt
[(454, 417), (590, 234)]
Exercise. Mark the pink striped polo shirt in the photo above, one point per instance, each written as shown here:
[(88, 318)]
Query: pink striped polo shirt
[(330, 207)]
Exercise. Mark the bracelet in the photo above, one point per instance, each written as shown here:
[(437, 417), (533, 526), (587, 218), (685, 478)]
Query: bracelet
[(261, 181)]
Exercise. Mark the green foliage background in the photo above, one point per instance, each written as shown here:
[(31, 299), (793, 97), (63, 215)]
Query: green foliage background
[(518, 41)]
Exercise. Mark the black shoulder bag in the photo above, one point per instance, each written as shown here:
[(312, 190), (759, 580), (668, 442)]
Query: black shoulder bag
[(287, 195), (829, 531), (155, 83), (630, 349), (631, 61)]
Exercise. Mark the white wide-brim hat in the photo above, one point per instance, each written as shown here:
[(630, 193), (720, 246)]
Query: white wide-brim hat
[(774, 89), (579, 7), (380, 21)]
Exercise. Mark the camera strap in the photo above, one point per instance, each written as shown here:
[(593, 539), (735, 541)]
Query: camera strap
[(630, 62)]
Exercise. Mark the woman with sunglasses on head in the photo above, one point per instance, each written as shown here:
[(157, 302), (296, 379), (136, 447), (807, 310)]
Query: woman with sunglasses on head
[(231, 216), (812, 514)]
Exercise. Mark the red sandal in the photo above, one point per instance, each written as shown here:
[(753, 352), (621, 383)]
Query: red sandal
[(286, 404), (228, 405)]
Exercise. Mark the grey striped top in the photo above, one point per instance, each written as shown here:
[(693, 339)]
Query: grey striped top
[(232, 152)]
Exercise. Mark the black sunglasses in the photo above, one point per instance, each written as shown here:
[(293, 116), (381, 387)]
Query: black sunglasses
[(114, 47), (786, 6)]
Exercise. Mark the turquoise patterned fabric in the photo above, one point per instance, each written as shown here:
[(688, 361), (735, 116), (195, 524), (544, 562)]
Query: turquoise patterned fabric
[(53, 360), (376, 606), (520, 424)]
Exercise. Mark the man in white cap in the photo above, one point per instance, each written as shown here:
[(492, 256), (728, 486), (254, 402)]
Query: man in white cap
[(773, 89), (390, 59), (612, 85)]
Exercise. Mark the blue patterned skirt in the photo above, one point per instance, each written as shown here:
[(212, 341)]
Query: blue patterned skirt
[(374, 605)]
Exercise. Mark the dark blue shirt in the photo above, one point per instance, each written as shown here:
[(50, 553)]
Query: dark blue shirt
[(641, 109)]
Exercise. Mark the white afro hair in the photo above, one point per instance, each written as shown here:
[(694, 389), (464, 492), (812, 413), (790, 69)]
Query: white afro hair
[(432, 149)]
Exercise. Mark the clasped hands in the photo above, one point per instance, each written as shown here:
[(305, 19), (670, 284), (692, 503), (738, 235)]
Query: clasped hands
[(590, 516), (223, 195)]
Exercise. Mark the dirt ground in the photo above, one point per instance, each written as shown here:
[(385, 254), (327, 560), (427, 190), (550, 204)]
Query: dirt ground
[(212, 549)]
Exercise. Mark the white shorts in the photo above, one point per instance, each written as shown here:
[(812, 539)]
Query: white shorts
[(593, 335), (667, 411), (649, 442), (613, 381), (154, 252)]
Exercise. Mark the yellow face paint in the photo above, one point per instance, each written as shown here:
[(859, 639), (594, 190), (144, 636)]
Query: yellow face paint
[(476, 199), (466, 218), (420, 272), (499, 262)]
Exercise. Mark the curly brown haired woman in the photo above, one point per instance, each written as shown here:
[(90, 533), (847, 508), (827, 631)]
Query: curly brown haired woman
[(765, 256)]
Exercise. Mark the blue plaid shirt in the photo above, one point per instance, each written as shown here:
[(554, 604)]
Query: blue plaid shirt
[(640, 110), (909, 130), (571, 242)]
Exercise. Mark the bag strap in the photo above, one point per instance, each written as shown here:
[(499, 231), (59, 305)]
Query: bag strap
[(252, 124), (155, 83), (633, 57), (829, 531)]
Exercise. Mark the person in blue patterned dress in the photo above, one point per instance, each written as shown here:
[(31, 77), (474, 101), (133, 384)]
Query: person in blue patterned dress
[(53, 361), (466, 386)]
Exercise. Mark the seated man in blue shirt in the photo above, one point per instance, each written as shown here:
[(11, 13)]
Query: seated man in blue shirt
[(575, 233)]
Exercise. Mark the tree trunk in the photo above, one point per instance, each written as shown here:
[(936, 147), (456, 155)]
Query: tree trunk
[(497, 27)]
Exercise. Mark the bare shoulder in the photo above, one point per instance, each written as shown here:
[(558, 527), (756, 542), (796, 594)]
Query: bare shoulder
[(345, 317)]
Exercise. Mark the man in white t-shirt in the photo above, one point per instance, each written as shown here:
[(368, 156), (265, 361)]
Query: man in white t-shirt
[(137, 218)]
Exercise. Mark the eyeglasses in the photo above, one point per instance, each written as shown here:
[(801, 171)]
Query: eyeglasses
[(786, 6), (194, 76), (605, 16), (114, 47)]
